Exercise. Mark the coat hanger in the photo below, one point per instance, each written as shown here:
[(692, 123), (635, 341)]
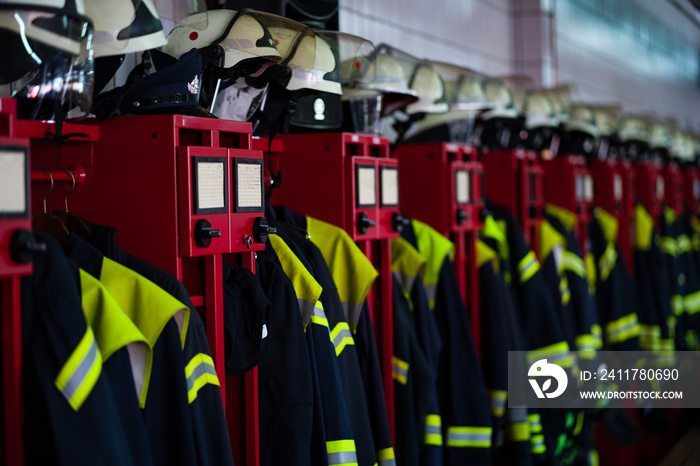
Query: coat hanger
[(72, 222), (50, 223)]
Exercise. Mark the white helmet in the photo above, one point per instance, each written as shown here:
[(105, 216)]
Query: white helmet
[(47, 56), (431, 91), (500, 100), (582, 118), (236, 35), (539, 110), (316, 77), (124, 26)]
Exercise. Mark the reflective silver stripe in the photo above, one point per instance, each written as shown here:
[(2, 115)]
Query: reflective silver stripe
[(430, 291), (389, 462), (400, 370), (468, 439), (607, 262), (431, 429), (340, 336), (406, 281), (78, 376), (575, 264), (342, 457), (197, 372), (352, 313), (307, 310)]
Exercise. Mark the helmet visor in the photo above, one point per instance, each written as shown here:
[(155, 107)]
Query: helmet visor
[(50, 61)]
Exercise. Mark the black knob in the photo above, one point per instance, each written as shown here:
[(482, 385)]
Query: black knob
[(462, 216), (23, 246), (203, 233), (261, 230), (398, 221), (363, 223)]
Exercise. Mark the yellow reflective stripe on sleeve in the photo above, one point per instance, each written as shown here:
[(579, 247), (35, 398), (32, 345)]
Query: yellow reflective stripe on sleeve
[(643, 228), (80, 372), (575, 264), (319, 316), (607, 261), (684, 244), (400, 372), (199, 372), (386, 457), (341, 337), (498, 399), (557, 353), (528, 267), (622, 329), (537, 444), (677, 304), (469, 437), (597, 334), (433, 430), (691, 303), (564, 290), (669, 246), (650, 337), (341, 452), (579, 423), (586, 346), (590, 268), (518, 432)]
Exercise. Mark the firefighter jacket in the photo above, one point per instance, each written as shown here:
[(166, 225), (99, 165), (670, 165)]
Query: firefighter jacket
[(284, 374), (574, 283), (466, 422), (500, 333), (419, 439), (616, 300), (362, 341), (353, 275), (204, 395), (678, 251), (337, 431), (690, 225), (544, 336), (71, 415), (164, 322), (656, 315)]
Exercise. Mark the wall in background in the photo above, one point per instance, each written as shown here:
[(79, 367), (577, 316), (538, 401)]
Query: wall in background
[(643, 54)]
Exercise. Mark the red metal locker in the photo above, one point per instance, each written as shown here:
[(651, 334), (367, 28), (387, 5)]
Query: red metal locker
[(349, 180), (441, 185), (569, 184), (170, 184), (515, 179)]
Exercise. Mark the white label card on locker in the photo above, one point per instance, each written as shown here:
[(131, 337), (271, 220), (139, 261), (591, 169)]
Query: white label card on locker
[(462, 186), (13, 189), (588, 188), (390, 186), (366, 186), (617, 187), (579, 188), (659, 187), (249, 181), (210, 185)]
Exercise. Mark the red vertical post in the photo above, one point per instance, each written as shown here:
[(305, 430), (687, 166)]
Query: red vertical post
[(252, 420), (13, 423), (214, 312)]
